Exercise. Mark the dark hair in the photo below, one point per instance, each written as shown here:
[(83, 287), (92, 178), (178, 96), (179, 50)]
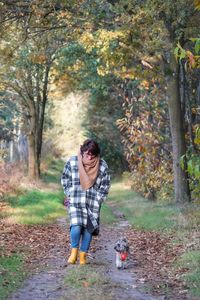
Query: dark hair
[(91, 146)]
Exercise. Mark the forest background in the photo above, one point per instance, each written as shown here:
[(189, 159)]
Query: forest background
[(132, 68), (125, 73)]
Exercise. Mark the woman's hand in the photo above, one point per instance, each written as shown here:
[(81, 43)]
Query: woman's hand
[(66, 202)]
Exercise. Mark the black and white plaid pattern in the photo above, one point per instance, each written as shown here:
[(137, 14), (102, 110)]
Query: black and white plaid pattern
[(81, 200)]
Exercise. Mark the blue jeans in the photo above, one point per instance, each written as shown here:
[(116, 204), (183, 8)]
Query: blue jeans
[(78, 232)]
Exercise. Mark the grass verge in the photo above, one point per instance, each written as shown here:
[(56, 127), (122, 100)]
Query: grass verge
[(35, 207), (183, 221), (86, 282), (141, 213), (12, 274), (107, 215), (84, 276), (191, 261), (53, 174), (29, 208)]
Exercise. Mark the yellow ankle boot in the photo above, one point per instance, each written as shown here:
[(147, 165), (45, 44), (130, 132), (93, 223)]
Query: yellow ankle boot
[(73, 256), (82, 258)]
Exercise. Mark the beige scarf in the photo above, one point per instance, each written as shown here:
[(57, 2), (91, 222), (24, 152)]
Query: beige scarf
[(88, 171)]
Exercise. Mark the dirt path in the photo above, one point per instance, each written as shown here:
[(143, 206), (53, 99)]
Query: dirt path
[(118, 284), (122, 282)]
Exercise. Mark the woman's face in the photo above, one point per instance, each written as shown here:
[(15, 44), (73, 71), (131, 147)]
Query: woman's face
[(88, 155)]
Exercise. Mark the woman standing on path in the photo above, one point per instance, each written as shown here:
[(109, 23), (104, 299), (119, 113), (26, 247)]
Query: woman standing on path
[(86, 182)]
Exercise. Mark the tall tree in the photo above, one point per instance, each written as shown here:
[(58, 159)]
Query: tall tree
[(176, 21), (158, 38), (27, 74), (37, 29), (181, 183)]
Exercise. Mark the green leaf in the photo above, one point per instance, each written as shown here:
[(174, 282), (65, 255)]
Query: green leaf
[(197, 133), (176, 52), (197, 171), (190, 167), (197, 46), (182, 161), (182, 54)]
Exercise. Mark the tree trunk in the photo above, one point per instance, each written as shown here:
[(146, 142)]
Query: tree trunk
[(41, 100), (181, 185), (33, 170), (186, 103), (33, 164)]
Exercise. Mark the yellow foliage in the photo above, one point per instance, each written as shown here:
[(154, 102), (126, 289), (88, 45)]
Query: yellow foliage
[(87, 39), (125, 73), (145, 84), (102, 71), (197, 4), (37, 58), (142, 138), (2, 87), (113, 60), (65, 15)]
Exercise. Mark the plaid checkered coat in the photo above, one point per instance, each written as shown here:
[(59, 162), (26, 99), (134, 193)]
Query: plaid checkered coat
[(84, 202)]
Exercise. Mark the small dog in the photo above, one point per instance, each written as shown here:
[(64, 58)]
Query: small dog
[(122, 251)]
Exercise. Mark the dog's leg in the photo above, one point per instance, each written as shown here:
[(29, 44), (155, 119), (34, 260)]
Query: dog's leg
[(119, 263)]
